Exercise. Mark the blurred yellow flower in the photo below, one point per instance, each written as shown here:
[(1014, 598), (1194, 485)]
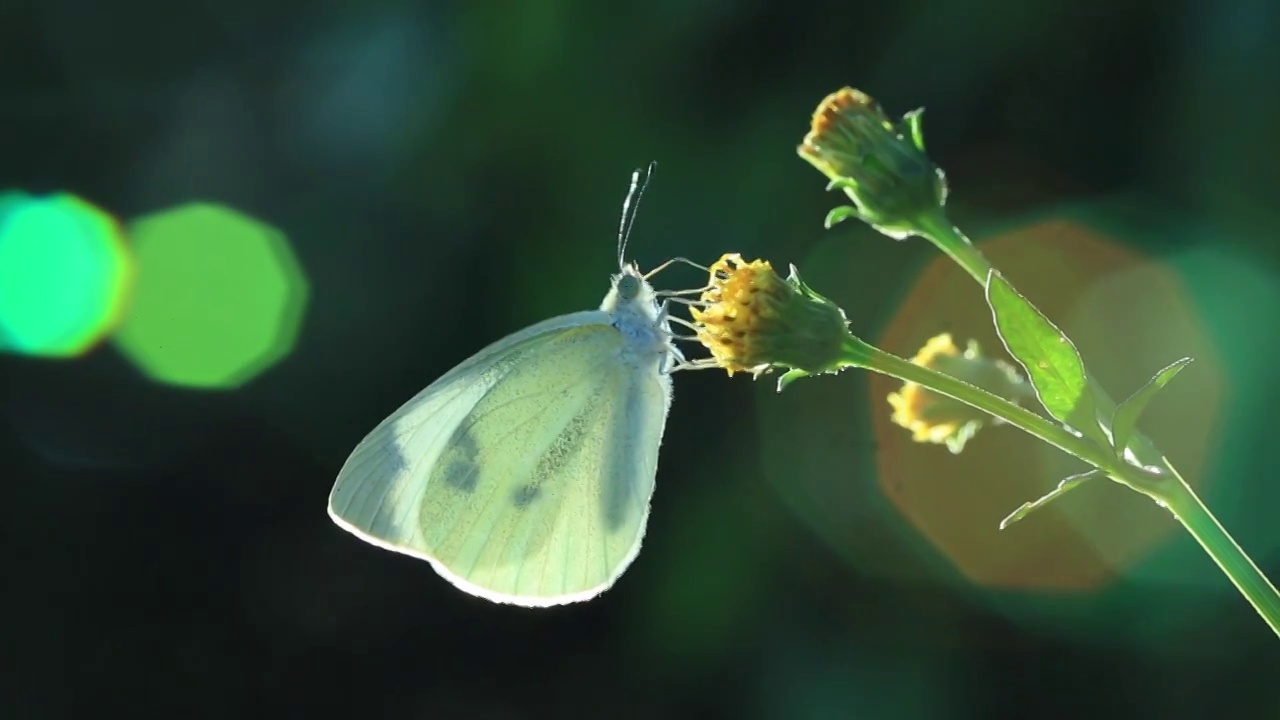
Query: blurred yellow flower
[(935, 418)]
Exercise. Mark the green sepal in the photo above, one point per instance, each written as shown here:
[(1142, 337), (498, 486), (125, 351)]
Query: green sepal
[(789, 377), (840, 214), (913, 123)]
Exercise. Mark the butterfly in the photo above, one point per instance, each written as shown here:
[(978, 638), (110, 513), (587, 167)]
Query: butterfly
[(524, 474)]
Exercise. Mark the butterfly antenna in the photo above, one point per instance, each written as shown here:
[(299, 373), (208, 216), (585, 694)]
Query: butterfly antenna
[(629, 210)]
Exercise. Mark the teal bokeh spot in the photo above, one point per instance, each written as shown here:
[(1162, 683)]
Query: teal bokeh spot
[(10, 200), (64, 274)]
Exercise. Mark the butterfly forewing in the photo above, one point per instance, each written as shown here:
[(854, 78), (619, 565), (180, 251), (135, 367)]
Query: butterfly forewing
[(371, 494), (527, 480)]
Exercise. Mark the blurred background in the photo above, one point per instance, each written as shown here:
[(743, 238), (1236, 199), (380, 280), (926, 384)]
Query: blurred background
[(234, 236)]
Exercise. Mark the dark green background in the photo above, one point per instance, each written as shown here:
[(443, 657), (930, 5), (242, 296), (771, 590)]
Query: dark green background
[(449, 172)]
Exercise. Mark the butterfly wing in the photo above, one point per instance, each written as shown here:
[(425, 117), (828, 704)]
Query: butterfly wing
[(524, 475)]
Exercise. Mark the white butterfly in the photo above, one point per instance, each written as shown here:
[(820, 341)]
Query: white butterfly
[(524, 474)]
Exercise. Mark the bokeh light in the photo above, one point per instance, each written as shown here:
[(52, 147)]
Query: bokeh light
[(220, 297), (1238, 295), (65, 274), (1130, 317), (11, 200)]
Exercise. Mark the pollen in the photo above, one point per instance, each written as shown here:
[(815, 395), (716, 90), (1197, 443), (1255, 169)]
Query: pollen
[(752, 320), (740, 300)]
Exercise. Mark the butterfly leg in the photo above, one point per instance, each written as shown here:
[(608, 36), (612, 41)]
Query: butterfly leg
[(673, 357)]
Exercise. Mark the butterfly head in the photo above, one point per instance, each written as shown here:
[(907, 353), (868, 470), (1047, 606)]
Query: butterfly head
[(630, 284), (630, 290), (633, 309)]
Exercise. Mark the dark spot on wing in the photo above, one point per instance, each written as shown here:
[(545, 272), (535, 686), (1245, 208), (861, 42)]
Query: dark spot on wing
[(621, 499), (524, 496), (461, 475), (460, 470), (386, 458)]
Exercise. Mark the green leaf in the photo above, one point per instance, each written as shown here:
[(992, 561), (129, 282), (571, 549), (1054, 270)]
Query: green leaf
[(1125, 418), (1051, 360), (1067, 485), (913, 122)]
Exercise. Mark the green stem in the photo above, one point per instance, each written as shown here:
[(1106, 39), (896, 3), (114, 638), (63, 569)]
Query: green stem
[(857, 353), (1185, 505), (937, 229)]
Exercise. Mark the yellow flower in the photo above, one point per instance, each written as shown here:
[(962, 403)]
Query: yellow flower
[(752, 320), (882, 167), (936, 418)]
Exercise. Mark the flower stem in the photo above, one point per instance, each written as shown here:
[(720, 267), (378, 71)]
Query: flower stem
[(1185, 505), (1167, 487), (857, 353), (937, 229)]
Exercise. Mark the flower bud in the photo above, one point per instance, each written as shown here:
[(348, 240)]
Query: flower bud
[(881, 166)]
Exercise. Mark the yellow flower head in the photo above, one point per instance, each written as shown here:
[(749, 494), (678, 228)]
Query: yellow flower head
[(754, 320), (936, 418), (881, 166)]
